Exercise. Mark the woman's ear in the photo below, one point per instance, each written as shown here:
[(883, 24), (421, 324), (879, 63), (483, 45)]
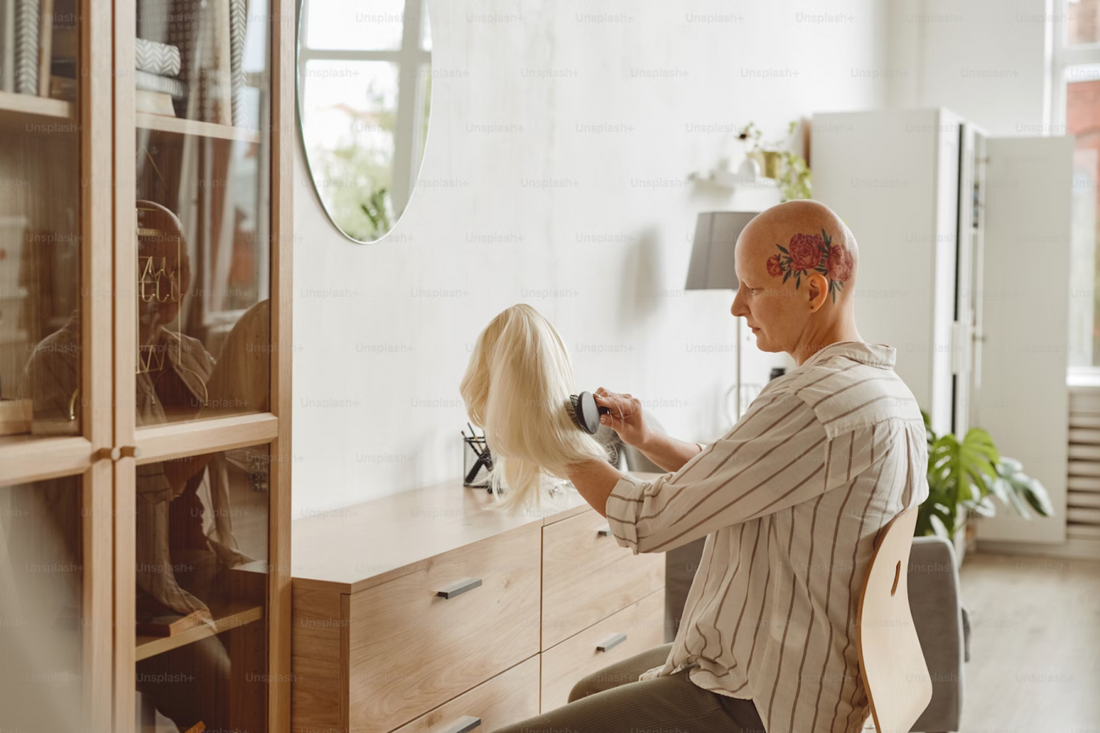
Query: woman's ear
[(817, 290)]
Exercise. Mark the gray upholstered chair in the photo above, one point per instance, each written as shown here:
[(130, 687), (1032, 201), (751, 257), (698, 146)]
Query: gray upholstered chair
[(940, 619), (943, 628)]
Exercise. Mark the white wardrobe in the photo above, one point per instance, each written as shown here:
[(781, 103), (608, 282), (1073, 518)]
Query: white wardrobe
[(964, 243)]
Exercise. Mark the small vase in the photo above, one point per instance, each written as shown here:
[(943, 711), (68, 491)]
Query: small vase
[(770, 162)]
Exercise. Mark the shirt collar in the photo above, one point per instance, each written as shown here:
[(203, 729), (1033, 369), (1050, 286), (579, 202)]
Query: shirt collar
[(879, 355)]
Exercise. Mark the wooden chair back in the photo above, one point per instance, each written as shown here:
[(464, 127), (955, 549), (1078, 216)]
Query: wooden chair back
[(895, 674)]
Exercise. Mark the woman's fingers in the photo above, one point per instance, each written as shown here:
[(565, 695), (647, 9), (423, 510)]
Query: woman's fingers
[(620, 407)]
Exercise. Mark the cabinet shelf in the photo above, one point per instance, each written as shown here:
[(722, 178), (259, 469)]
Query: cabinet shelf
[(175, 125), (16, 109), (231, 615)]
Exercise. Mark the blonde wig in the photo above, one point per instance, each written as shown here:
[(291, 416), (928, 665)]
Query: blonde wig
[(517, 389)]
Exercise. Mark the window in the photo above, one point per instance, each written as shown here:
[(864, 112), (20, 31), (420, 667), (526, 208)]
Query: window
[(1076, 102)]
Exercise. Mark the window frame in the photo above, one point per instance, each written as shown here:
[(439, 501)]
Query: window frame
[(1063, 58)]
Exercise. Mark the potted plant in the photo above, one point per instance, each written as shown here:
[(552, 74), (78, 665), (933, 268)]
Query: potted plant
[(964, 476), (777, 160)]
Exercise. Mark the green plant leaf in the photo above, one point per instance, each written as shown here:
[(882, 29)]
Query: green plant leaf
[(1036, 495)]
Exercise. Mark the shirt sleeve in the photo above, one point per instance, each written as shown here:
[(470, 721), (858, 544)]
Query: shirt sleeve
[(774, 458)]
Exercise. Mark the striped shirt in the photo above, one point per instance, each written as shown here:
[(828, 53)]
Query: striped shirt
[(790, 501)]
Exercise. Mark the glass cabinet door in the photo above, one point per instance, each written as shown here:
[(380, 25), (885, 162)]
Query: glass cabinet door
[(40, 230), (56, 630), (201, 210), (194, 354), (41, 605)]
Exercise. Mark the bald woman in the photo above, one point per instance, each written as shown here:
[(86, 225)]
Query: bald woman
[(789, 501)]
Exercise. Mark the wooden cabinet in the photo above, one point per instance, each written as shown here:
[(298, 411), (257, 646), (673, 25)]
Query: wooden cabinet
[(632, 630), (411, 647), (587, 576), (457, 612), (145, 302), (510, 696)]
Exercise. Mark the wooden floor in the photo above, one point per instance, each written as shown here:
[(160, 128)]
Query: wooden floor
[(1034, 645)]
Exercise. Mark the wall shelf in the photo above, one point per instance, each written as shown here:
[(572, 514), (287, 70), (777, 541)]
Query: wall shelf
[(178, 126), (232, 615), (730, 180)]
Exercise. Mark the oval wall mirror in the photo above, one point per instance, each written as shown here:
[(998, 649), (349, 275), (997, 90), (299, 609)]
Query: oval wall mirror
[(364, 98)]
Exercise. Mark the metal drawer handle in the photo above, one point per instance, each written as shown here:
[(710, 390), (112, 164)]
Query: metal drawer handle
[(457, 589), (604, 531), (611, 641), (463, 724)]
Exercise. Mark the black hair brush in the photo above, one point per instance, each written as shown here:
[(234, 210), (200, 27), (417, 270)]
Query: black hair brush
[(585, 412)]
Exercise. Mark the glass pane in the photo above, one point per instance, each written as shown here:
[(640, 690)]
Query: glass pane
[(377, 25), (201, 555), (1083, 121), (349, 138), (202, 216), (41, 589), (40, 225), (1083, 21)]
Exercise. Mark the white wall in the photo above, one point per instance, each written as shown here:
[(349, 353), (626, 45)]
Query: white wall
[(987, 60), (591, 225)]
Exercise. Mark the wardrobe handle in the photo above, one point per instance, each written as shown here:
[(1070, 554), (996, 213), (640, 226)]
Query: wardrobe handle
[(463, 724), (116, 453), (604, 531), (457, 589), (110, 453), (610, 642)]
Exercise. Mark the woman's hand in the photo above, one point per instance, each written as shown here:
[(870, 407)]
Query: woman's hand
[(625, 416)]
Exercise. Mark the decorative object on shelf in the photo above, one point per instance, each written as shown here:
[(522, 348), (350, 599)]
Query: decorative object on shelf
[(779, 162), (45, 44), (145, 81), (156, 58), (157, 65), (238, 27), (964, 476), (155, 103), (7, 45), (26, 46)]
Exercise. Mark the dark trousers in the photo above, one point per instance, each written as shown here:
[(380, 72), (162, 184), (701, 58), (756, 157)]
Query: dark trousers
[(612, 700)]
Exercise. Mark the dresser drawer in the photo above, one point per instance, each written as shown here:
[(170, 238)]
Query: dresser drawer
[(411, 650), (587, 576), (511, 696), (642, 623)]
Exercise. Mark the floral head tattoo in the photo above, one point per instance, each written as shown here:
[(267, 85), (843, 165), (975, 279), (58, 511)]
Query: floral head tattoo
[(807, 252)]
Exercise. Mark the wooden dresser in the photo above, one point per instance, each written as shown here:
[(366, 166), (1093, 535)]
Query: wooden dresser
[(429, 611)]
